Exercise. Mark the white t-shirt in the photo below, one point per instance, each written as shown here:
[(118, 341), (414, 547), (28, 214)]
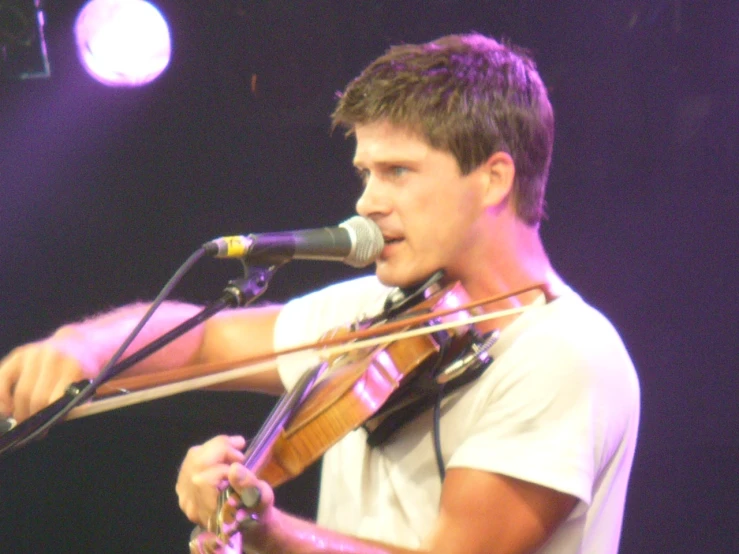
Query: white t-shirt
[(559, 407)]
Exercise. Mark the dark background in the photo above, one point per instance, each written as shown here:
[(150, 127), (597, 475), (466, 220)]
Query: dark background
[(104, 192)]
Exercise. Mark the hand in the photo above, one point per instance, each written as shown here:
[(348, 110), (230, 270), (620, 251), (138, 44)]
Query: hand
[(36, 374), (256, 513), (204, 473)]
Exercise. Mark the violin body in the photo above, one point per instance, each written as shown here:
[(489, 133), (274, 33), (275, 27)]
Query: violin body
[(351, 392), (354, 387)]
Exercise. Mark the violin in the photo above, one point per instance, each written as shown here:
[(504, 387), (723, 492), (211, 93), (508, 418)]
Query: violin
[(337, 397)]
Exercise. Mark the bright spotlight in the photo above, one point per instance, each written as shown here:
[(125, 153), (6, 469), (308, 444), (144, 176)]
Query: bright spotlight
[(122, 42)]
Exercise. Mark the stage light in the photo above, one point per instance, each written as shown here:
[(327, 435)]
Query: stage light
[(122, 42), (22, 46)]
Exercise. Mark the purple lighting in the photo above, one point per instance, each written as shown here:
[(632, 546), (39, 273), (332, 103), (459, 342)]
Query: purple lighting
[(122, 42)]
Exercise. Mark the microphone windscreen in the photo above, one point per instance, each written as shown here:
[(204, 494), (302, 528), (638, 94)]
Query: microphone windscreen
[(367, 241)]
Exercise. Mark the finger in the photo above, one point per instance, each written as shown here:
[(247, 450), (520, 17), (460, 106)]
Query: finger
[(29, 364), (232, 455), (256, 495), (211, 477), (251, 497), (9, 371), (237, 441), (234, 441), (201, 488), (70, 370), (56, 373), (222, 448), (206, 542), (198, 495), (43, 367), (204, 472), (197, 513), (241, 477)]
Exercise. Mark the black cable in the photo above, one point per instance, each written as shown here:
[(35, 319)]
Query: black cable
[(89, 390), (437, 434), (160, 298)]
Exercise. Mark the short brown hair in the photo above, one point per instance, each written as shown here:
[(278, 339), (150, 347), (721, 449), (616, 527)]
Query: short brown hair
[(466, 94)]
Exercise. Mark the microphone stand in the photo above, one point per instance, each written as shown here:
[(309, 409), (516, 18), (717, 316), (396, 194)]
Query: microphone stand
[(239, 292)]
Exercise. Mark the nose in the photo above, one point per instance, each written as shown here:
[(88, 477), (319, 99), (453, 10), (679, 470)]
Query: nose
[(373, 200)]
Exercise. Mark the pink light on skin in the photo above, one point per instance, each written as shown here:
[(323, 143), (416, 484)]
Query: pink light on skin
[(123, 43)]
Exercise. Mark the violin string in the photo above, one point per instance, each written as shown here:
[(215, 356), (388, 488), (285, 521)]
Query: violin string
[(276, 420)]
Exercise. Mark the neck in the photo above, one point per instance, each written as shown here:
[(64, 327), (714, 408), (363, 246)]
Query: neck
[(507, 255)]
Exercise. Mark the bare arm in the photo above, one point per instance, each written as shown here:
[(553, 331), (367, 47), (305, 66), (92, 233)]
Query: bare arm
[(238, 335), (480, 512), (34, 375)]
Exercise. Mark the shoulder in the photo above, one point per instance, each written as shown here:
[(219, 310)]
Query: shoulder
[(340, 302), (561, 382), (568, 350), (568, 328), (308, 317)]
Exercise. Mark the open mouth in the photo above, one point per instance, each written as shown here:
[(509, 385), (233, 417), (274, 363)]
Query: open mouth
[(391, 240)]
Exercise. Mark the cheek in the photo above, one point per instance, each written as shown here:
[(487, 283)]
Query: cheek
[(454, 226), (440, 218)]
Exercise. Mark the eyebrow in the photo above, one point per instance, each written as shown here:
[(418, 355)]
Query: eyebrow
[(405, 162)]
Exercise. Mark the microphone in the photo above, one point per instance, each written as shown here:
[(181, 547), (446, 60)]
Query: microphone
[(356, 242)]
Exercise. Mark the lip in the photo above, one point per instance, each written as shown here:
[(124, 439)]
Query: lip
[(391, 243), (390, 240)]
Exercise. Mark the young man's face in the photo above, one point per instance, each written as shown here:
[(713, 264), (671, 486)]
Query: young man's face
[(417, 195)]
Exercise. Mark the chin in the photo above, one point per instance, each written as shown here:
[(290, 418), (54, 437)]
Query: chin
[(388, 276), (388, 280), (396, 277)]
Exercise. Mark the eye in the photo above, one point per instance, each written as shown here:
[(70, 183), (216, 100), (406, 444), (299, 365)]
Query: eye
[(398, 170), (362, 175)]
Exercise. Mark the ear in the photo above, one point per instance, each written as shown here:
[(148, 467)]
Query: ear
[(499, 172)]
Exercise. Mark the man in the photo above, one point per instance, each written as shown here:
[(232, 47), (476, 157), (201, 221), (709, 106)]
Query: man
[(453, 146)]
